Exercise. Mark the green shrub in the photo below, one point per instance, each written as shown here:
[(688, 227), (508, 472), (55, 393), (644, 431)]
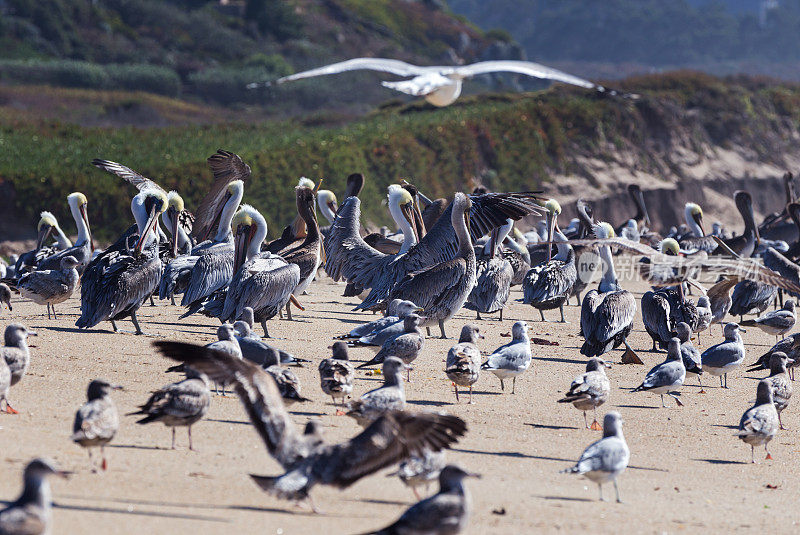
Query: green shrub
[(150, 78)]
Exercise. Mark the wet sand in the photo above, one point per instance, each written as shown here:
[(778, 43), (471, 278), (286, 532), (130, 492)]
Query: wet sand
[(688, 471)]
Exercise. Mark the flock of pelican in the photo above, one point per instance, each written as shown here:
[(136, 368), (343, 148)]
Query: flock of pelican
[(445, 256)]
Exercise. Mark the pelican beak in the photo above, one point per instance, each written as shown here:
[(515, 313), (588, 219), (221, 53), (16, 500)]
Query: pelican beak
[(173, 214), (552, 221), (467, 218), (643, 206), (149, 227), (408, 212), (319, 185), (241, 244), (217, 217), (419, 222), (698, 218), (44, 232), (334, 207), (85, 217)]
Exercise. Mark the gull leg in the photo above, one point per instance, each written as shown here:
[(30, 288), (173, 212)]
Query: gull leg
[(189, 431), (48, 310), (104, 462), (700, 382), (136, 323), (662, 401), (595, 424), (54, 312), (600, 486), (173, 438), (91, 460), (616, 489), (502, 386), (766, 448), (678, 401), (10, 409), (470, 395), (726, 380), (314, 507), (585, 420), (455, 386), (752, 454), (779, 421), (441, 328), (514, 385), (416, 493)]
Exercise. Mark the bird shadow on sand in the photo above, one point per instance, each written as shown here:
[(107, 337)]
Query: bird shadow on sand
[(566, 498), (380, 502), (734, 427), (637, 406), (130, 511), (220, 421), (80, 331), (499, 453), (428, 403), (562, 360), (554, 427), (300, 413), (136, 447), (719, 461)]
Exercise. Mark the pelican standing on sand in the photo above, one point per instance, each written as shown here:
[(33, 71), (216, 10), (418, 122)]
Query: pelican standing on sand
[(117, 282), (439, 85), (607, 315), (493, 277), (96, 422)]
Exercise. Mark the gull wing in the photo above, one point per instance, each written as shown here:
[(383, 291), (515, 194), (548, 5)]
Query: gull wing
[(394, 66), (528, 68), (132, 177)]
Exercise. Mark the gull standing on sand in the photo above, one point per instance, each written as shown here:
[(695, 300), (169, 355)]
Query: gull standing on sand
[(721, 359), (513, 358), (307, 459), (704, 315), (32, 513), (444, 513), (780, 382), (391, 316), (258, 351), (777, 323), (463, 364), (389, 329), (589, 390), (439, 85), (180, 404), (17, 357), (606, 459), (667, 376), (97, 421), (336, 374), (760, 423), (421, 469), (391, 396), (51, 286), (5, 297), (405, 346), (288, 385)]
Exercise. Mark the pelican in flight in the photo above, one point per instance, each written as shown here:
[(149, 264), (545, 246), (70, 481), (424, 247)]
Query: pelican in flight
[(440, 85), (116, 282)]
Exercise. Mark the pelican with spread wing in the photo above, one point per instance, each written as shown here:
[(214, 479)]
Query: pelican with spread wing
[(440, 85)]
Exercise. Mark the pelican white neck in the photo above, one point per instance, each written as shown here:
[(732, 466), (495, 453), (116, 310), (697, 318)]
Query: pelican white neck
[(78, 205), (236, 190), (398, 199)]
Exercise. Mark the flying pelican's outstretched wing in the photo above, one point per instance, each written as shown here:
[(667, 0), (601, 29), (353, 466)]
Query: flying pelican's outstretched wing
[(394, 66), (226, 167), (528, 68), (131, 176)]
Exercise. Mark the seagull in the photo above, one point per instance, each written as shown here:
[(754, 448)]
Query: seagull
[(390, 317), (760, 423), (463, 364), (778, 322), (444, 513), (667, 376), (258, 351), (606, 459), (722, 358), (336, 374), (390, 396), (439, 85), (405, 346), (513, 358), (288, 385), (31, 514), (51, 286), (180, 404), (780, 382), (17, 356), (5, 297), (306, 457), (704, 315), (589, 390), (96, 422), (389, 329), (421, 469)]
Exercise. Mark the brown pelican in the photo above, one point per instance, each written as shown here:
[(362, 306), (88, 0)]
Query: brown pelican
[(641, 217), (261, 281), (307, 254), (778, 225), (29, 260), (494, 274), (306, 457), (84, 244), (48, 287), (116, 282), (743, 245), (349, 257), (607, 315), (750, 296), (549, 285)]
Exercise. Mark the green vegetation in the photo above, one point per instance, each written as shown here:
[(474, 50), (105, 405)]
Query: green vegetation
[(508, 142)]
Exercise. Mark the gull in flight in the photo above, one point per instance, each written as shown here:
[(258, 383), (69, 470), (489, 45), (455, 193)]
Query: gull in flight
[(439, 85)]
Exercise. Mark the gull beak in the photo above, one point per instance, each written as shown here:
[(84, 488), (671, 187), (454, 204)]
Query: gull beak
[(481, 335), (474, 474), (418, 309), (408, 367), (63, 474), (32, 333), (606, 364), (742, 330), (117, 387), (85, 217)]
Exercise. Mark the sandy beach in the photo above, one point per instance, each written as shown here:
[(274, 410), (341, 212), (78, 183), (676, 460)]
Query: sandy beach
[(688, 472)]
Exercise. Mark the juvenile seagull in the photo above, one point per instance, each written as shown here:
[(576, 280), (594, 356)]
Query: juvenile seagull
[(789, 345), (439, 85), (444, 513), (31, 514), (180, 404), (704, 315), (256, 350), (690, 354), (336, 374), (391, 396), (589, 390), (760, 423), (5, 297), (777, 323), (405, 346), (780, 382), (306, 458), (421, 469), (97, 421), (606, 459), (288, 385), (667, 376), (17, 357), (464, 359), (513, 358), (723, 358), (51, 286)]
